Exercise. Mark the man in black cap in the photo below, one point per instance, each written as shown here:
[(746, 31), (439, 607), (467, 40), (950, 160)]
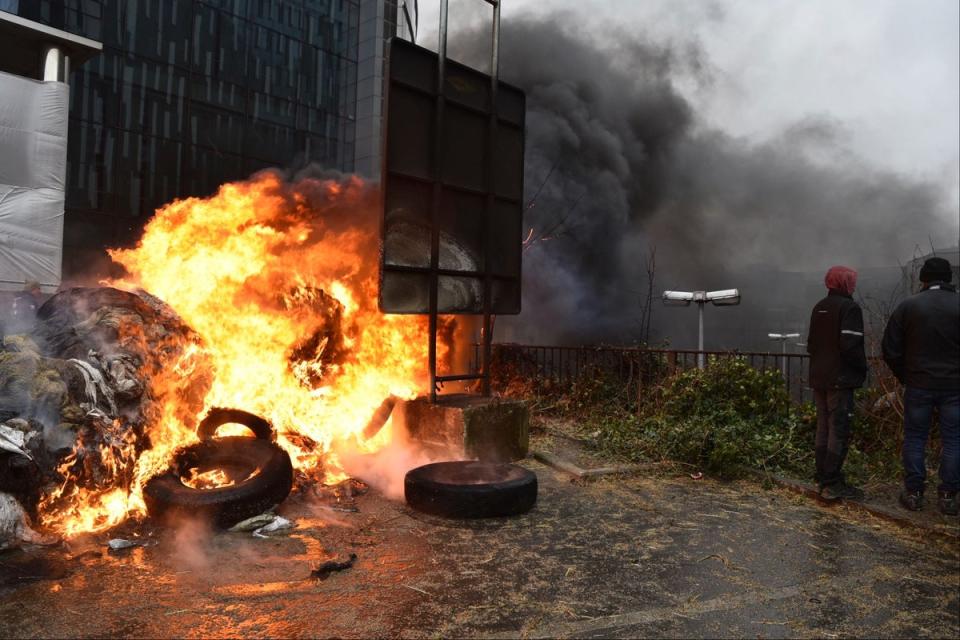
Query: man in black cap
[(921, 345)]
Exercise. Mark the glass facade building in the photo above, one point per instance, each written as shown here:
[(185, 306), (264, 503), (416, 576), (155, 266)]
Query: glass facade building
[(189, 94)]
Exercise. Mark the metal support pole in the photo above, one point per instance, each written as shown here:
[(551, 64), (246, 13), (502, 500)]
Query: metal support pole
[(491, 169), (434, 304), (700, 358), (783, 359), (435, 204), (784, 362), (495, 56)]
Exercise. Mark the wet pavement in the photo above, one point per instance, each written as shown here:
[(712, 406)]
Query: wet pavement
[(615, 557)]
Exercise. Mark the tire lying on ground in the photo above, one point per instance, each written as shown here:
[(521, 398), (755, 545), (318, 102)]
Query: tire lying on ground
[(220, 416), (167, 497), (469, 489)]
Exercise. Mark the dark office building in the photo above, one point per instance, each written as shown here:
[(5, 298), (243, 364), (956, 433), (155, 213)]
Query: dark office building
[(189, 94)]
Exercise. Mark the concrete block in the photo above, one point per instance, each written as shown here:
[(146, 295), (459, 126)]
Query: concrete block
[(487, 429)]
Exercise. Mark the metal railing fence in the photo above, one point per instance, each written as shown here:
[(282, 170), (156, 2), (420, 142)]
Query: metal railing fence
[(636, 367)]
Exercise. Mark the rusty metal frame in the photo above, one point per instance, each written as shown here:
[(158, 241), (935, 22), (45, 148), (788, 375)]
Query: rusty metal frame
[(484, 374)]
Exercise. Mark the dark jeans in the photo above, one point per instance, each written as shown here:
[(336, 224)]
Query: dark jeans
[(918, 407), (834, 423)]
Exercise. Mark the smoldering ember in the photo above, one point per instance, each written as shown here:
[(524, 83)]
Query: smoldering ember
[(388, 318)]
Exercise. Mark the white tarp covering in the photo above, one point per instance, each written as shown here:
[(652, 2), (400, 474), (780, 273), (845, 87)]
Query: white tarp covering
[(33, 159)]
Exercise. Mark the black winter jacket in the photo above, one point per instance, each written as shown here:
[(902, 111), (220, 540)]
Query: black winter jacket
[(835, 343), (921, 343)]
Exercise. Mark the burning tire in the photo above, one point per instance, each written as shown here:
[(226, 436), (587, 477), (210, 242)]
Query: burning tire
[(219, 416), (261, 472), (467, 489)]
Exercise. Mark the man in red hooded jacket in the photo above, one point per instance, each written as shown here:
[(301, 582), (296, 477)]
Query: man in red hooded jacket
[(838, 365)]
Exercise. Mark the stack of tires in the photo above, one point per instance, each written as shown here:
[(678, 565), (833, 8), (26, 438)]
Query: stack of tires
[(263, 473)]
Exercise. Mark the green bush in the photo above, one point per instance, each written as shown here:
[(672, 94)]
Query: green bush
[(722, 419), (594, 391), (730, 388)]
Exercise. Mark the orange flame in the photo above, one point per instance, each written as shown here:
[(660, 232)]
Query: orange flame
[(255, 270), (214, 478)]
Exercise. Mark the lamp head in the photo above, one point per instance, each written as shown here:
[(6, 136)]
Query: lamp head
[(724, 297), (677, 298)]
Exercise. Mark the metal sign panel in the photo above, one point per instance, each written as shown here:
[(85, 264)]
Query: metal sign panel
[(452, 188)]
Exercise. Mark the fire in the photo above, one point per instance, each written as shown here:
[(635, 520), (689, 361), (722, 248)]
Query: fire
[(209, 479), (280, 281)]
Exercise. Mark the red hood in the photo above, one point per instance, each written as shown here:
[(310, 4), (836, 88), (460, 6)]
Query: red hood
[(843, 279)]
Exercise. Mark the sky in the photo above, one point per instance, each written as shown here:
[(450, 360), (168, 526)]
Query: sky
[(884, 74)]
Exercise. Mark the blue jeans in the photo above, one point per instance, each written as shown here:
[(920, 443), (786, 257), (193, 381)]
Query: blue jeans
[(918, 407)]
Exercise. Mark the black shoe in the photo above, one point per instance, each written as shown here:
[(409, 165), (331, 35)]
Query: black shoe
[(850, 492), (948, 502), (912, 500), (841, 491), (829, 492)]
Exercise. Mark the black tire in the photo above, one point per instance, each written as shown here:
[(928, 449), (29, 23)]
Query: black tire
[(220, 416), (166, 496), (468, 489)]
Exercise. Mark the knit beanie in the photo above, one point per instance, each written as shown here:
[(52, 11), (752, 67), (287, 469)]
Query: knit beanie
[(936, 270)]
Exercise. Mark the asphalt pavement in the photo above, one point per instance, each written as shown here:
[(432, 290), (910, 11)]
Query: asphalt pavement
[(614, 557)]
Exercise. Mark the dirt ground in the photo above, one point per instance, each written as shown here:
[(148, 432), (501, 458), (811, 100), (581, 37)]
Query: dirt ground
[(640, 556)]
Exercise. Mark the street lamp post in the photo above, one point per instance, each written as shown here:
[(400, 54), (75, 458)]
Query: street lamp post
[(721, 298), (783, 337)]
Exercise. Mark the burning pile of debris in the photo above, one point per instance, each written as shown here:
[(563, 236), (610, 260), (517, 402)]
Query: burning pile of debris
[(76, 396), (262, 297)]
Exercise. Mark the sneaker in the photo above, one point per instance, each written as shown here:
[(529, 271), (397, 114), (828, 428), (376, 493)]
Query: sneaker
[(841, 491), (948, 502), (831, 492), (912, 500), (850, 492)]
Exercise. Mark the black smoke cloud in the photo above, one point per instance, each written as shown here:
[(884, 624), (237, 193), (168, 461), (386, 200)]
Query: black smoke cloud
[(618, 161)]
